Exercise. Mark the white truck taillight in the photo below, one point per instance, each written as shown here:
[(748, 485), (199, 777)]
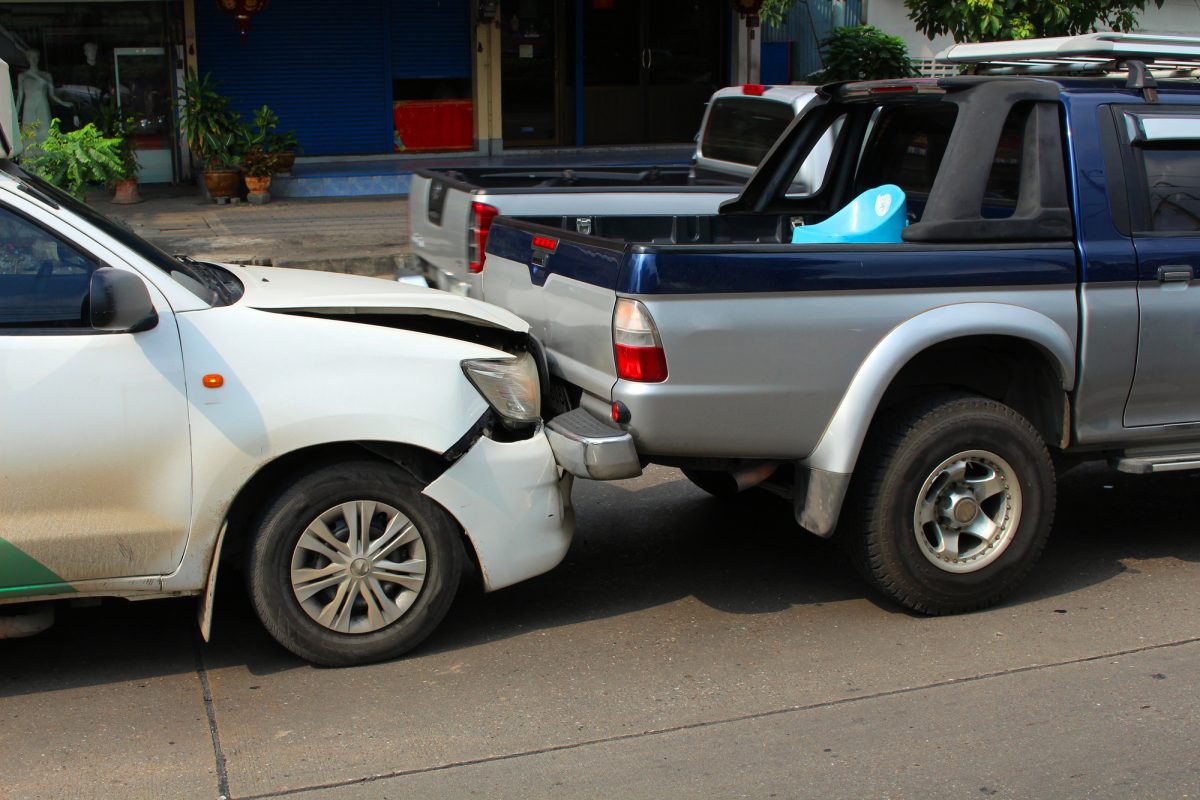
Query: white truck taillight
[(638, 349), (477, 232)]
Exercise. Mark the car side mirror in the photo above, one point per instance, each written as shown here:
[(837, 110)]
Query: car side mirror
[(120, 302)]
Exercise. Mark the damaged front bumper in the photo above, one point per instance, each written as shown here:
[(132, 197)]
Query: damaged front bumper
[(513, 504)]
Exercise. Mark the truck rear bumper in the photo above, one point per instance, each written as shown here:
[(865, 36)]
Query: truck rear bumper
[(585, 446)]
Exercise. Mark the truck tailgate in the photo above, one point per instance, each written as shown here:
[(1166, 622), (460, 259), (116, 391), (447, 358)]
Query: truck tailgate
[(565, 290)]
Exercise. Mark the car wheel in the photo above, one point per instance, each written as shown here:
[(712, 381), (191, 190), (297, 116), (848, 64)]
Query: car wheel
[(951, 504), (352, 564)]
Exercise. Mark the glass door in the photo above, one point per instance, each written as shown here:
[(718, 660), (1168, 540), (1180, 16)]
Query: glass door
[(529, 72), (143, 92), (614, 105), (682, 46)]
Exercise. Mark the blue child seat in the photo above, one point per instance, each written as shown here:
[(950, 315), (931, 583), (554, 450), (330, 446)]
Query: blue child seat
[(877, 216)]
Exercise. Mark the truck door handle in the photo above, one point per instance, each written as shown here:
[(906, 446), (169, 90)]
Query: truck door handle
[(1175, 273)]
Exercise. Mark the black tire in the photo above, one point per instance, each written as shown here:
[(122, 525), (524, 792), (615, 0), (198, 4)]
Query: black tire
[(717, 483), (909, 470), (271, 557)]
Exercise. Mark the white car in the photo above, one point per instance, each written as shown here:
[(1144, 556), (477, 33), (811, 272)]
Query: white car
[(353, 441)]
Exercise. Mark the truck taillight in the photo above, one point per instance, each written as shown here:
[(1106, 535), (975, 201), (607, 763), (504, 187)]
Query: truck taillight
[(481, 222), (638, 349)]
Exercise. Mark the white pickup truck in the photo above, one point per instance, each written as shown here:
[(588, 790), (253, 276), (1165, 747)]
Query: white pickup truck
[(451, 210)]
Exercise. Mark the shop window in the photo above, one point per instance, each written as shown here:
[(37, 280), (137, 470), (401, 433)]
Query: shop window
[(84, 62)]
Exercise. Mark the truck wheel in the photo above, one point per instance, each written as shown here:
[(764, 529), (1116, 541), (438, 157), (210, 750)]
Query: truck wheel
[(951, 504), (352, 564)]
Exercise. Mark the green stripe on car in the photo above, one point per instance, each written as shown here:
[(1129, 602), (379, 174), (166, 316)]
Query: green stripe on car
[(21, 574)]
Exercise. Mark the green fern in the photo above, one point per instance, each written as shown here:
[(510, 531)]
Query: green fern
[(73, 161)]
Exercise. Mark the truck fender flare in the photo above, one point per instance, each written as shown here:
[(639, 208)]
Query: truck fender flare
[(837, 451)]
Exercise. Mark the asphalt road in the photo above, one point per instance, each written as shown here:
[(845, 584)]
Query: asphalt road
[(686, 648)]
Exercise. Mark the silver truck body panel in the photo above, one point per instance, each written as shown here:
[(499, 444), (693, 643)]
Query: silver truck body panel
[(1166, 383), (729, 375), (573, 320), (1107, 354), (1044, 317), (716, 346)]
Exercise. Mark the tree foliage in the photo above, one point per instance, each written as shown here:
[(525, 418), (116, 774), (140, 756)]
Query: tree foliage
[(863, 52), (993, 20)]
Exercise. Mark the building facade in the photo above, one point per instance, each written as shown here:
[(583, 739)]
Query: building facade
[(375, 77)]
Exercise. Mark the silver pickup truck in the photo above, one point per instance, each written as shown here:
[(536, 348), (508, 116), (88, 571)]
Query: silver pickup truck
[(997, 274), (451, 210)]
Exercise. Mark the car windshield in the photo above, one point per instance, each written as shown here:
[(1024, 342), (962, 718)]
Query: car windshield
[(213, 285)]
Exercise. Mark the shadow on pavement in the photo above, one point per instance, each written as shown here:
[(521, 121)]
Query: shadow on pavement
[(637, 547)]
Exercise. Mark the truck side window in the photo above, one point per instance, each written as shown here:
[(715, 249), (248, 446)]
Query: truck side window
[(1173, 187), (44, 282)]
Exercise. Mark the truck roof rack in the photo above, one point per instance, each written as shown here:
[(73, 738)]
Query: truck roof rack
[(1098, 49), (1142, 56)]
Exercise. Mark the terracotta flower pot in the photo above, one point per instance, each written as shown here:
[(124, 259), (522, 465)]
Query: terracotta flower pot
[(222, 183), (285, 161), (125, 192), (258, 184)]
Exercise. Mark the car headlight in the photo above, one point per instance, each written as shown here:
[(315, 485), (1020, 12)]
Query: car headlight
[(510, 386)]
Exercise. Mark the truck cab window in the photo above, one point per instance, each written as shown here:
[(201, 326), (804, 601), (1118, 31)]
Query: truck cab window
[(905, 148), (742, 129), (44, 282), (1173, 187)]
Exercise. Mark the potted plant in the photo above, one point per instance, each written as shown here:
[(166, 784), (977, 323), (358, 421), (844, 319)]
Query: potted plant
[(257, 166), (123, 128), (73, 161), (213, 132), (222, 160), (265, 134)]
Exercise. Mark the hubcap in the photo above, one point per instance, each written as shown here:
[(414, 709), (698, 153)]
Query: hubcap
[(967, 511), (358, 567)]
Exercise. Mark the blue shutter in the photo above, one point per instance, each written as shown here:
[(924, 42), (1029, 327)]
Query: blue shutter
[(322, 67), (430, 38)]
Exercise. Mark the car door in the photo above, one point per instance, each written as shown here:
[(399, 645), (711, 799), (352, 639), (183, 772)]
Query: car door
[(1163, 171), (94, 451)]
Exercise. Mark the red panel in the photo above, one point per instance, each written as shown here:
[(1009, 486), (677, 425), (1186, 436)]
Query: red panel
[(429, 125)]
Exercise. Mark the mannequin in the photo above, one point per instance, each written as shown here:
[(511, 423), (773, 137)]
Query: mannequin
[(93, 77), (35, 91)]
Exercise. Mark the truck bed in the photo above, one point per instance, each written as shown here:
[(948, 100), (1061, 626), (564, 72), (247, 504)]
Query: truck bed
[(517, 181)]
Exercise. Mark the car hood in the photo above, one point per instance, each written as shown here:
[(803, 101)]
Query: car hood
[(278, 289)]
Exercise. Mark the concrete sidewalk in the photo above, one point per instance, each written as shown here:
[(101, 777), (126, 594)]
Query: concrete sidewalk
[(361, 235)]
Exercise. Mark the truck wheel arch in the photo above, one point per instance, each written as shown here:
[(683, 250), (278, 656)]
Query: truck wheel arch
[(823, 477), (995, 325)]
